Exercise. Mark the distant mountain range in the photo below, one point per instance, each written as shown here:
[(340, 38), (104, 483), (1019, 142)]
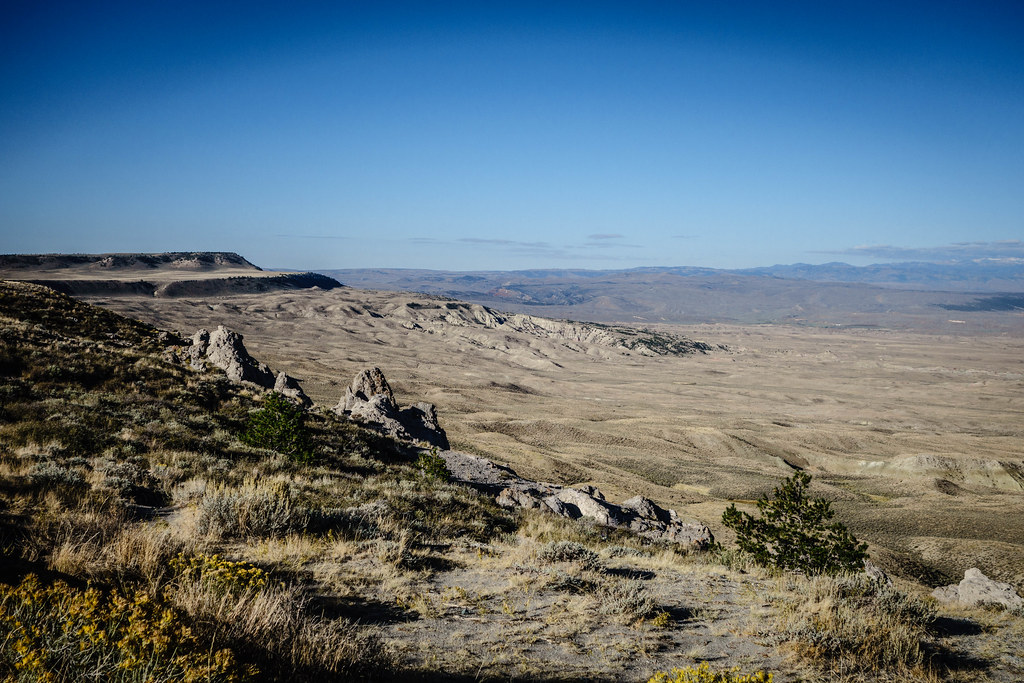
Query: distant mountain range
[(967, 276), (979, 296), (918, 295), (1002, 276)]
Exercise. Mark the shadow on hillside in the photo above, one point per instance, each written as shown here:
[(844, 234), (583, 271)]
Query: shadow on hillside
[(954, 626), (363, 611), (13, 571), (631, 574), (680, 614), (961, 662), (483, 677)]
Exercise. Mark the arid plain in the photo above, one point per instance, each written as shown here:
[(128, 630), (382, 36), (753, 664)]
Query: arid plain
[(916, 437)]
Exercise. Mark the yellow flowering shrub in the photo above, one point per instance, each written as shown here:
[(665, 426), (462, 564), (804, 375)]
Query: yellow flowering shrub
[(702, 673), (221, 575), (59, 633)]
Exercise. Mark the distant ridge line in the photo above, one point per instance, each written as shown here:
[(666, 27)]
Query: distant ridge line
[(197, 260), (183, 288)]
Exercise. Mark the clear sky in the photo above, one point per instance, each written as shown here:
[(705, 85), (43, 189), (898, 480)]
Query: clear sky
[(493, 135)]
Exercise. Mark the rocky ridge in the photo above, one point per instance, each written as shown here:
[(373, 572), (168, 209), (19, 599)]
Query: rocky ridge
[(177, 260), (371, 401), (638, 514), (189, 287), (439, 314)]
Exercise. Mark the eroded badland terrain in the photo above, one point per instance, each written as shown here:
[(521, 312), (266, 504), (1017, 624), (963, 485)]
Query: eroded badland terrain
[(916, 437)]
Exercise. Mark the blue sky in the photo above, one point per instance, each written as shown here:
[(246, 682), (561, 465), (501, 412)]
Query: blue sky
[(500, 136)]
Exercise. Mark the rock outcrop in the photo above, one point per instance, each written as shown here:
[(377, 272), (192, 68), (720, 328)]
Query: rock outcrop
[(370, 400), (224, 349), (638, 514), (977, 589)]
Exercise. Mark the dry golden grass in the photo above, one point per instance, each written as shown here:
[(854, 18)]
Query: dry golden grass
[(442, 580)]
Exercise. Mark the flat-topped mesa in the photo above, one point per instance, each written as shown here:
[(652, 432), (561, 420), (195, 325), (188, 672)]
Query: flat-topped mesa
[(369, 399), (224, 349)]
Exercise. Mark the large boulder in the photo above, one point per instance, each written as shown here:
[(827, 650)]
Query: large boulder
[(645, 508), (370, 400), (585, 504), (977, 589), (690, 534)]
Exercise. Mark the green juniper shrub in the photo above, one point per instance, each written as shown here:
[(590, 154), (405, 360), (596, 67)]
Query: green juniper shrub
[(793, 532), (280, 426), (433, 466)]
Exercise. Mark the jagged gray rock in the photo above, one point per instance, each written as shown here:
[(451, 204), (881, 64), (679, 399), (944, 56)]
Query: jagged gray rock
[(583, 504), (646, 509), (289, 387), (370, 399), (225, 349), (196, 353), (637, 514), (947, 594), (519, 498), (977, 589), (367, 384), (692, 535)]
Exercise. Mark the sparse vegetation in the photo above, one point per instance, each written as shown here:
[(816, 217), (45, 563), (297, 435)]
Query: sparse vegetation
[(569, 551), (852, 623), (702, 673), (59, 633), (280, 426), (793, 532), (133, 503), (433, 465)]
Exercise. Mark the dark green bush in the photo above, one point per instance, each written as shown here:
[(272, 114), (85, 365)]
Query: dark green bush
[(793, 532), (433, 466), (280, 426)]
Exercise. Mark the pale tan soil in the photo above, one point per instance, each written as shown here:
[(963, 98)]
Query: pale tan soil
[(500, 620), (916, 437)]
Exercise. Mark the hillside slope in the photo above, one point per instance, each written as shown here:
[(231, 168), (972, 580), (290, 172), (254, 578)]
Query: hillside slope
[(124, 468)]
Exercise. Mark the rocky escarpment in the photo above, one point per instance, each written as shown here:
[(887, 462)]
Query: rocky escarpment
[(370, 399), (177, 260), (186, 287)]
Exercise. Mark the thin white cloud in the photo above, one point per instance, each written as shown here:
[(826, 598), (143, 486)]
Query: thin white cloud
[(605, 236), (956, 252), (313, 237), (505, 243)]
